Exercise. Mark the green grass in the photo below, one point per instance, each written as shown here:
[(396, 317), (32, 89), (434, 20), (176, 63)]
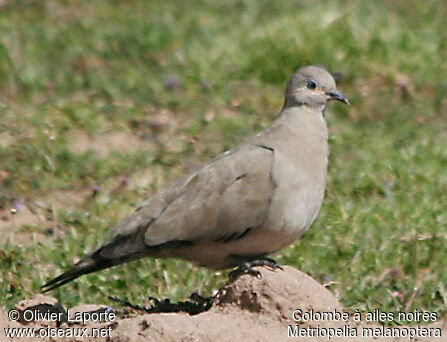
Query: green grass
[(68, 69)]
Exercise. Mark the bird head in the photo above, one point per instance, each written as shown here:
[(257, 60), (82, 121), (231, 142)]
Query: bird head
[(312, 86)]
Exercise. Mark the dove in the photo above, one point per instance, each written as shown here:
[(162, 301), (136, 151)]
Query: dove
[(242, 206)]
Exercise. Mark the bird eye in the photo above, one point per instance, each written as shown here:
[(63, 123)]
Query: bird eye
[(311, 85)]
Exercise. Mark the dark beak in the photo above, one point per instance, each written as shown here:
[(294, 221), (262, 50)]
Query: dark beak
[(336, 95)]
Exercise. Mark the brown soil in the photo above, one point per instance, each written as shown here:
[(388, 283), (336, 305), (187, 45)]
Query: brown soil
[(105, 143), (249, 309), (28, 221), (5, 138)]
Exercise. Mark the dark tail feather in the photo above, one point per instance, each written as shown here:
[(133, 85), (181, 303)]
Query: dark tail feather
[(123, 249), (85, 266), (119, 251), (93, 263)]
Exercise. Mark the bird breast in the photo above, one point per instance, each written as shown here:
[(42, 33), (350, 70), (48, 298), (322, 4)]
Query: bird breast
[(299, 175)]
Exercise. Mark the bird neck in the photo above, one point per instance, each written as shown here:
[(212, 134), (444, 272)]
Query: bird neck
[(303, 106), (306, 119), (295, 126)]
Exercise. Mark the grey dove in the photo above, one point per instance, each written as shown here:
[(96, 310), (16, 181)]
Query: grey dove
[(242, 206)]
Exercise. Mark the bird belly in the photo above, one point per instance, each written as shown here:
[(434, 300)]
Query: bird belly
[(219, 255)]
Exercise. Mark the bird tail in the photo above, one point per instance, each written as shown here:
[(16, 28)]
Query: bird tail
[(85, 266), (105, 257), (125, 248)]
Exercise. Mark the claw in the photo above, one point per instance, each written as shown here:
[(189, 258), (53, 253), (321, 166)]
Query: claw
[(247, 268)]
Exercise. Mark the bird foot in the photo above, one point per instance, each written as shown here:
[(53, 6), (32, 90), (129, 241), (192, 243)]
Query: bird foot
[(247, 268)]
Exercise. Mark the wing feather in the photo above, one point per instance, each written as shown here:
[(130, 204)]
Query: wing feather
[(223, 198)]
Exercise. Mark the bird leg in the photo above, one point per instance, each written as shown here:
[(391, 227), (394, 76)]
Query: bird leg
[(247, 268)]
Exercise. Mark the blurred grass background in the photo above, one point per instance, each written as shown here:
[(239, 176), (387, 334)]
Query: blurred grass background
[(102, 103)]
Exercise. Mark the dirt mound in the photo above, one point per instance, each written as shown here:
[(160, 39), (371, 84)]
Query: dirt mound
[(249, 309)]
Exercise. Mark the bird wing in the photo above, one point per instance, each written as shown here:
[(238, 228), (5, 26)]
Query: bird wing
[(219, 201), (223, 198)]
